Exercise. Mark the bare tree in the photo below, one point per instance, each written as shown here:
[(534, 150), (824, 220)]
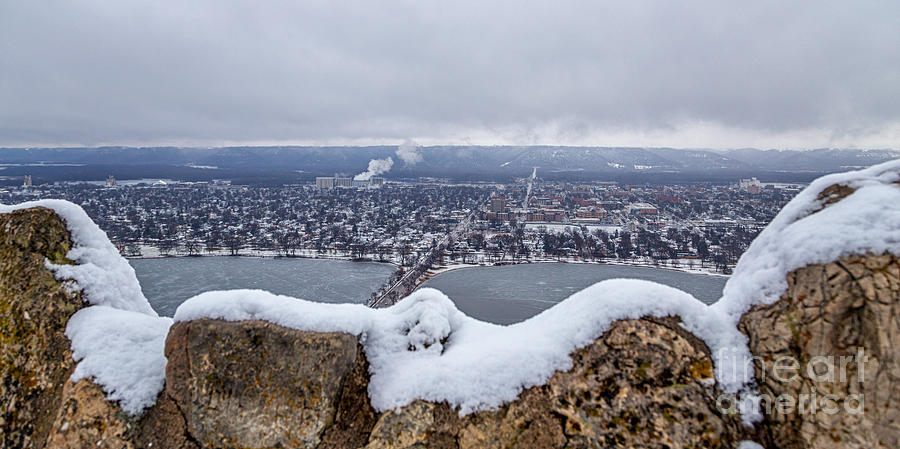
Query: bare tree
[(234, 242), (192, 247)]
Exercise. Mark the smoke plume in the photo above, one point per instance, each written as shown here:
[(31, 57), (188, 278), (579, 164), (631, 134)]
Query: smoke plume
[(408, 152), (376, 167)]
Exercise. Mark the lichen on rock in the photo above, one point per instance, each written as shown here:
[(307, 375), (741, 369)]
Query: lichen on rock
[(35, 360), (830, 345), (255, 384), (644, 383)]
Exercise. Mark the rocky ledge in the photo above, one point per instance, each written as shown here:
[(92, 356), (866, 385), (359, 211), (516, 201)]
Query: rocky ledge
[(829, 340)]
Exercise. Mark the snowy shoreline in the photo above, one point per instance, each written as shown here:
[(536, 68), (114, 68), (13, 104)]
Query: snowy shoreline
[(439, 269)]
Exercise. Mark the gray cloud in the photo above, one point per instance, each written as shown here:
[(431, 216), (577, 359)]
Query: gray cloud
[(714, 73)]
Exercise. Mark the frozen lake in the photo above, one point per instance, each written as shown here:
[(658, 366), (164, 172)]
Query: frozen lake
[(503, 295), (512, 293), (168, 282)]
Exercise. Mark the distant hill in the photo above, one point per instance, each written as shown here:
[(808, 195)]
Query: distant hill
[(280, 165)]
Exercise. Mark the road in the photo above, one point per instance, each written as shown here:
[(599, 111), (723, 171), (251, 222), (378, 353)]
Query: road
[(385, 300)]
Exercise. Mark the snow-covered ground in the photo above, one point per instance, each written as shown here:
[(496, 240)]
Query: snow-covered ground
[(474, 365), (631, 263), (563, 227), (152, 252), (683, 264)]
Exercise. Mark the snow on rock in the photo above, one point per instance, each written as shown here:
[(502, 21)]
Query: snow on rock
[(238, 305), (747, 444), (425, 348), (118, 341), (101, 272), (122, 351), (811, 229), (805, 233)]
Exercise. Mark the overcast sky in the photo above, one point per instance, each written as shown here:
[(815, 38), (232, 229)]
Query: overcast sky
[(715, 74)]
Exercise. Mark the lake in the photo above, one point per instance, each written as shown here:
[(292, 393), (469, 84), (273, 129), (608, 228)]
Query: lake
[(167, 282), (503, 295), (513, 293)]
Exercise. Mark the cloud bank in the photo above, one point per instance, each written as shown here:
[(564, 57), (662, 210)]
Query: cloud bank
[(685, 74)]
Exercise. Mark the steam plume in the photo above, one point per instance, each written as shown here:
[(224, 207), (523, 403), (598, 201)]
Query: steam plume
[(408, 152), (376, 167)]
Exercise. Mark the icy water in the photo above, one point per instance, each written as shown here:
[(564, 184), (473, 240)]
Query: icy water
[(170, 281), (513, 293), (502, 295)]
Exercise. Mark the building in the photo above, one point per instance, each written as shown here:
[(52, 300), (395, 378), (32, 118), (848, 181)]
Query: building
[(752, 186), (110, 181), (591, 212), (641, 209), (371, 183), (668, 199), (324, 182), (547, 201), (27, 182), (330, 182), (498, 204)]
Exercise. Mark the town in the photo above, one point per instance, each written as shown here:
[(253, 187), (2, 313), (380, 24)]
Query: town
[(689, 226)]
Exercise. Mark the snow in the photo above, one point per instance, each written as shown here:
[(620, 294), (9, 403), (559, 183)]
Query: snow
[(867, 221), (746, 444), (803, 233), (238, 305), (118, 340), (425, 348), (122, 351), (105, 277)]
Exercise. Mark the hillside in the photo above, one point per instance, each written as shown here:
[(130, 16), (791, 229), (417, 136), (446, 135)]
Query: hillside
[(300, 164)]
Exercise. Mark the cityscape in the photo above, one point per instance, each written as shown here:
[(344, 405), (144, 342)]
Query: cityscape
[(423, 226)]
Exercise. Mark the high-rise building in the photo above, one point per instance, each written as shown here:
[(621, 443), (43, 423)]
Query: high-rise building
[(110, 181), (498, 204), (27, 182), (324, 182), (343, 182)]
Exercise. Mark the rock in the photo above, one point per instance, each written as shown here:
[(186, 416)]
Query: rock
[(163, 426), (256, 384), (840, 323), (645, 383), (41, 406), (35, 359), (87, 419), (410, 427), (355, 416), (832, 194)]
